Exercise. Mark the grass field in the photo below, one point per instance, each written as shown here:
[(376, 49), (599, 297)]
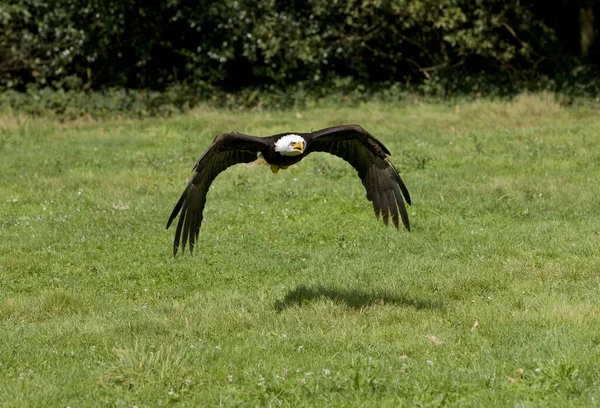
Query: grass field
[(296, 295)]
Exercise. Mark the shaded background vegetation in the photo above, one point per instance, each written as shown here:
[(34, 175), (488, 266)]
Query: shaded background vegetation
[(179, 52)]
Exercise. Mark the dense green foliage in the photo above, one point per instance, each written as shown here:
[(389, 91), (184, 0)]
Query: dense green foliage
[(448, 47), (296, 295)]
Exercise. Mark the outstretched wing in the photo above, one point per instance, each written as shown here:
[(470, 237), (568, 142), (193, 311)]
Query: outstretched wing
[(369, 157), (226, 150)]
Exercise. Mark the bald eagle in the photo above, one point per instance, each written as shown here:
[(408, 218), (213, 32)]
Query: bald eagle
[(352, 143)]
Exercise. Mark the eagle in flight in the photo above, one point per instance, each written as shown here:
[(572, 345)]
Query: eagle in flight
[(365, 153)]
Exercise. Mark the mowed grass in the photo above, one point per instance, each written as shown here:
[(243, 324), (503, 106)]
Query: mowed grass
[(296, 295)]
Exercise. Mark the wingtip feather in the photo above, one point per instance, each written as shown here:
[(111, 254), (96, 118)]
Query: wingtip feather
[(177, 207), (177, 237), (402, 208)]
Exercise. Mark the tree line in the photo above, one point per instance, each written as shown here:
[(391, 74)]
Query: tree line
[(449, 46)]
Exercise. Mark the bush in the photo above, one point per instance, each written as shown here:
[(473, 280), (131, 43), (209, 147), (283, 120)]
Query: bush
[(312, 48)]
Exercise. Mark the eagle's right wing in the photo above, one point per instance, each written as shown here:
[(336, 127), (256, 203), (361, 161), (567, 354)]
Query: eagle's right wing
[(226, 150)]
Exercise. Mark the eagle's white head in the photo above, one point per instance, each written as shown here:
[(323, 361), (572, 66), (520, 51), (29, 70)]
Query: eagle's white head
[(290, 145)]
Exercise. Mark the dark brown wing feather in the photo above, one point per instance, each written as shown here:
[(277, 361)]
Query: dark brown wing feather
[(226, 150), (368, 156)]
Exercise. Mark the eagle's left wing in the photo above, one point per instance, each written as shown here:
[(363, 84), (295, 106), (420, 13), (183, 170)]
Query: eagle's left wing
[(368, 156)]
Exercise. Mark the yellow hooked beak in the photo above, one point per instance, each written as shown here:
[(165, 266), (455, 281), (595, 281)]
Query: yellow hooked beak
[(298, 147)]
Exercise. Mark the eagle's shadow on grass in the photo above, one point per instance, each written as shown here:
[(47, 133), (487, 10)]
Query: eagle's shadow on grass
[(353, 298)]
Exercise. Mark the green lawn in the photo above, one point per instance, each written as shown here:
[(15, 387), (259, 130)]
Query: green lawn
[(296, 295)]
